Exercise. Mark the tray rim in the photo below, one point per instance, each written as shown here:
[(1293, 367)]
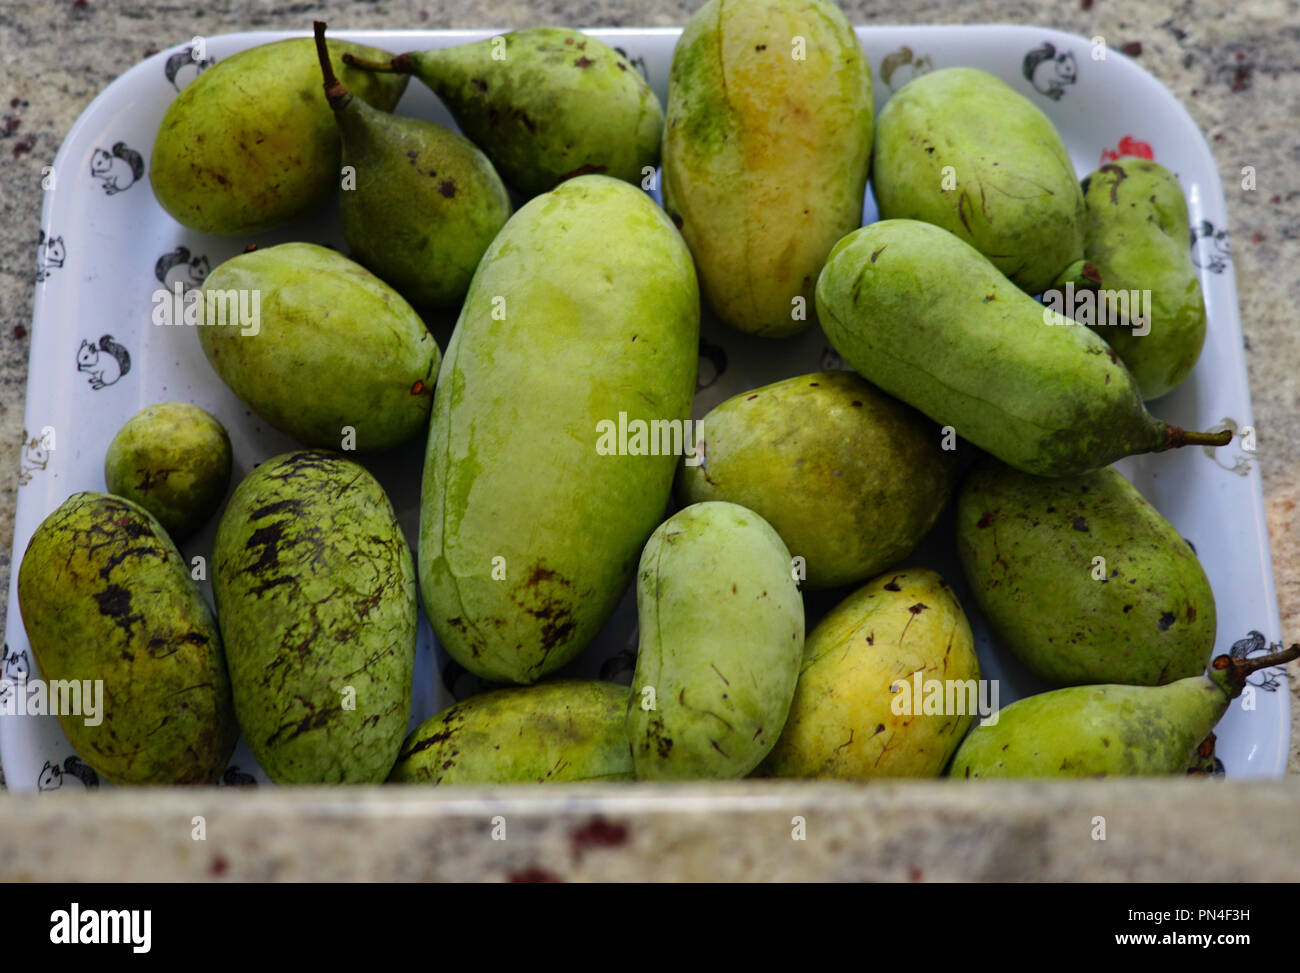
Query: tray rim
[(1236, 360)]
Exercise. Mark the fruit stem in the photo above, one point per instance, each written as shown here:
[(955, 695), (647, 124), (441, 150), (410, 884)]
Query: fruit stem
[(1233, 672), (335, 93), (401, 64), (1176, 437)]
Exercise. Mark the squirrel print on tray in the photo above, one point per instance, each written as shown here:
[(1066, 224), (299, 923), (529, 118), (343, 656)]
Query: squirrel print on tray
[(50, 254), (118, 168), (234, 777), (179, 266), (104, 363), (36, 457), (901, 66), (1254, 644), (181, 68), (1213, 255), (1050, 72), (52, 775), (14, 669)]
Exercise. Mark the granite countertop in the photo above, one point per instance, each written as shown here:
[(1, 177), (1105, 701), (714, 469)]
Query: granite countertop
[(1235, 67)]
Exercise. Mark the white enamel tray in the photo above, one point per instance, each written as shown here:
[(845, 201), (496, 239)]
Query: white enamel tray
[(107, 245)]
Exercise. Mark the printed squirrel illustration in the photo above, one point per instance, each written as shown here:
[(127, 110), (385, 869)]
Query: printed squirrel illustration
[(105, 363), (35, 458), (50, 253), (1240, 463), (636, 62), (902, 66), (1253, 644), (832, 362), (1220, 250), (52, 775), (713, 362), (119, 168), (193, 270), (181, 68), (621, 666), (462, 683), (14, 669), (1050, 72), (234, 777)]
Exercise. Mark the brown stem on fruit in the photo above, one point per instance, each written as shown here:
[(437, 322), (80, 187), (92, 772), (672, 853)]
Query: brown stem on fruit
[(335, 93), (1233, 671), (401, 64), (1176, 437)]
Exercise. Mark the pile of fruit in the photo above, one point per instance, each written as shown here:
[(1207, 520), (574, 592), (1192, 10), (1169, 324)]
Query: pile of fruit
[(579, 314)]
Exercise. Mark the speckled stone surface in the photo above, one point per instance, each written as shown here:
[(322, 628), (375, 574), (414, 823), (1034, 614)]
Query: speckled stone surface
[(1237, 69), (1088, 831)]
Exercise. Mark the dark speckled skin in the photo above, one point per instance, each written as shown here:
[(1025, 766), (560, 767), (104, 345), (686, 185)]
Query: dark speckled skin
[(251, 143), (1137, 238), (922, 315), (1027, 545), (558, 104), (1013, 195), (850, 478), (567, 730), (173, 459), (426, 205), (336, 347), (105, 595), (315, 590), (1109, 731)]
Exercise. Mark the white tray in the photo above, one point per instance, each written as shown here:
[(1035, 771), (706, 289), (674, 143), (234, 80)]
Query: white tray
[(113, 235)]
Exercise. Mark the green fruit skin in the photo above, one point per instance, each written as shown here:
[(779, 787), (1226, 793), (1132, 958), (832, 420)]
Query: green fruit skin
[(721, 639), (105, 595), (173, 459), (250, 144), (842, 723), (426, 204), (584, 306), (1015, 197), (1137, 236), (335, 347), (1028, 544), (923, 316), (559, 103), (850, 478), (563, 731), (315, 591), (1095, 731), (766, 157)]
